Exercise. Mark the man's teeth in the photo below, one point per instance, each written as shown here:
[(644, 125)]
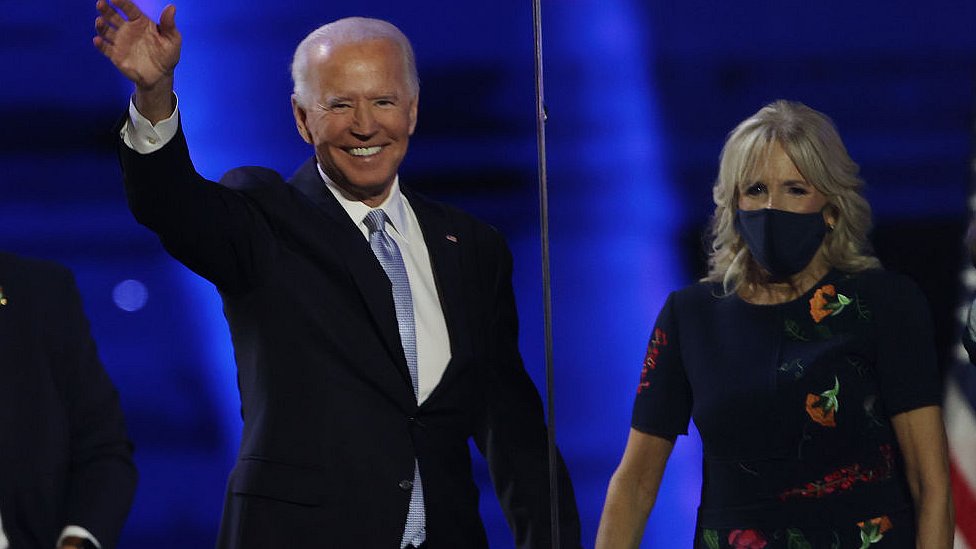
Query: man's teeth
[(364, 151)]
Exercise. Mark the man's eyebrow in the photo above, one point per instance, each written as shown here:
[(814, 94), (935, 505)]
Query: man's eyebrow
[(332, 100)]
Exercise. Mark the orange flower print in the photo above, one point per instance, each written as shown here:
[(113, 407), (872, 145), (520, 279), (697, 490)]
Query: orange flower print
[(827, 302), (873, 530), (822, 408)]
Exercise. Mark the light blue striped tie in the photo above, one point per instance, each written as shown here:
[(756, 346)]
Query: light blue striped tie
[(388, 254)]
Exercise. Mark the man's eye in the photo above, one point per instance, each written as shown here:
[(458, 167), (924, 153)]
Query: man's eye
[(339, 106)]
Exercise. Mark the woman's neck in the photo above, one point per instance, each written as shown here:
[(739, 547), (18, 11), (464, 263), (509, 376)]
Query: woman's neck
[(773, 293)]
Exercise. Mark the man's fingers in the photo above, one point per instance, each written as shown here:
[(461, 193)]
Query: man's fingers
[(108, 12), (105, 30), (167, 19), (130, 10), (103, 46)]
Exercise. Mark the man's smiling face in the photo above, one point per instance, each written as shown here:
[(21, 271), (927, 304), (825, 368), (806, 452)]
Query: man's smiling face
[(359, 115)]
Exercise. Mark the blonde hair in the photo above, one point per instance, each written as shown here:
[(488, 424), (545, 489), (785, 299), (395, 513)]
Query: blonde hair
[(811, 141), (351, 30)]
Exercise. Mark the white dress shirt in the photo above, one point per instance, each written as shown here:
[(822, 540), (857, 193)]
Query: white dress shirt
[(433, 342)]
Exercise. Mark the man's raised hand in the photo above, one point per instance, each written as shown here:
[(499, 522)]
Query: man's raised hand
[(144, 52)]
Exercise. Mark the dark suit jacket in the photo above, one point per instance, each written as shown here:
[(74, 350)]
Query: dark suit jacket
[(331, 426), (65, 458)]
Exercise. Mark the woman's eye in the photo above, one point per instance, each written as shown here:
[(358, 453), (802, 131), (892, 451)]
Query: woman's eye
[(798, 191), (755, 189)]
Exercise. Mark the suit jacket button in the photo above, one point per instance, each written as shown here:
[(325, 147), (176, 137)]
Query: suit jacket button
[(406, 485)]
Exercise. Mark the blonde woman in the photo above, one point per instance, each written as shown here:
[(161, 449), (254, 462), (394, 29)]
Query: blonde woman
[(809, 371)]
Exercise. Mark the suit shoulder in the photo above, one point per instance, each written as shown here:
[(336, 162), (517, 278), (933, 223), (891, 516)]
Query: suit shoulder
[(252, 179), (39, 284), (456, 217), (447, 210), (33, 270)]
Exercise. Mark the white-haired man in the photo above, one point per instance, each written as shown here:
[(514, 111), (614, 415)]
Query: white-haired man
[(375, 331)]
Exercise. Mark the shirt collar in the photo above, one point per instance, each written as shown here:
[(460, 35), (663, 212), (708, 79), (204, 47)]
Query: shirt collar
[(393, 205)]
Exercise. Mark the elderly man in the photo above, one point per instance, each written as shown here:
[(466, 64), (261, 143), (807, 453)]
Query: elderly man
[(67, 477), (375, 331)]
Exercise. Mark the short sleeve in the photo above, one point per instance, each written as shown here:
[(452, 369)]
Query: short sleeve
[(907, 367), (663, 403)]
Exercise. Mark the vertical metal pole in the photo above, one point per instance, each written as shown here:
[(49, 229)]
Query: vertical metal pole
[(540, 111)]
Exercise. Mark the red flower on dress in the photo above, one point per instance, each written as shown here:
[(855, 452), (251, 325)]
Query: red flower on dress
[(659, 340), (844, 478), (747, 539)]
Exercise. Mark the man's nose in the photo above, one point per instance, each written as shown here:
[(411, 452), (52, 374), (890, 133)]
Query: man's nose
[(363, 121)]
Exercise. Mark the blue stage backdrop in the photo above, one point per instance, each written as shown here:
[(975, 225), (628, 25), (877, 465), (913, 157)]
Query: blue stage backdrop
[(640, 97)]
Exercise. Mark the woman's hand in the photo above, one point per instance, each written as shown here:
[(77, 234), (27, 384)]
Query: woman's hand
[(921, 435), (632, 491)]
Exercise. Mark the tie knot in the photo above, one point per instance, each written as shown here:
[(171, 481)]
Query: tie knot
[(375, 220)]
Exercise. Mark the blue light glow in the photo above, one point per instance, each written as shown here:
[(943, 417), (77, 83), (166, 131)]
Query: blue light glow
[(130, 295)]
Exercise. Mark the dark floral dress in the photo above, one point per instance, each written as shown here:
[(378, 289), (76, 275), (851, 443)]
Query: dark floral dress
[(793, 404)]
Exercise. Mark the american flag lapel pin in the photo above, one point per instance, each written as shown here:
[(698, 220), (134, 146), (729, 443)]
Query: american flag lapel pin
[(451, 237), (3, 297)]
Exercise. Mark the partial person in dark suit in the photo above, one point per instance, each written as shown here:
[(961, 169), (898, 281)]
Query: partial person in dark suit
[(375, 331), (66, 472), (969, 331)]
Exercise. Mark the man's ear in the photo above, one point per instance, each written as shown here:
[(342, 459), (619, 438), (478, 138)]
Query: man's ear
[(413, 113), (300, 116)]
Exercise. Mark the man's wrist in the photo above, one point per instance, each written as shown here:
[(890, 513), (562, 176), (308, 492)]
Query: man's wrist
[(156, 103), (77, 537), (74, 542)]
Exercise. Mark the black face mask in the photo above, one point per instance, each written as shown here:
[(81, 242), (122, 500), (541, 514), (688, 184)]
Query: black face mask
[(782, 242)]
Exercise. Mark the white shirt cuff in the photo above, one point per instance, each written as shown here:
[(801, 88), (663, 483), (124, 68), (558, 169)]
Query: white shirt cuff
[(140, 135), (78, 532)]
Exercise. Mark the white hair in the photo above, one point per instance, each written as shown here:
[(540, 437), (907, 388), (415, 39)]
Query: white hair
[(351, 30)]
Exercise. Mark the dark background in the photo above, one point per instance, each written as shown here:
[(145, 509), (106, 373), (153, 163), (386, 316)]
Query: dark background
[(640, 94)]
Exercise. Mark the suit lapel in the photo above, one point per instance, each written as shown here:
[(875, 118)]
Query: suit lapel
[(368, 275), (444, 244)]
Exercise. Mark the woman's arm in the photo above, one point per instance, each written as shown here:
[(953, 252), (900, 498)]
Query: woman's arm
[(632, 491), (922, 438)]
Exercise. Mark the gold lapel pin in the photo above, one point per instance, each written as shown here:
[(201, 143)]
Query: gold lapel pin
[(3, 297)]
